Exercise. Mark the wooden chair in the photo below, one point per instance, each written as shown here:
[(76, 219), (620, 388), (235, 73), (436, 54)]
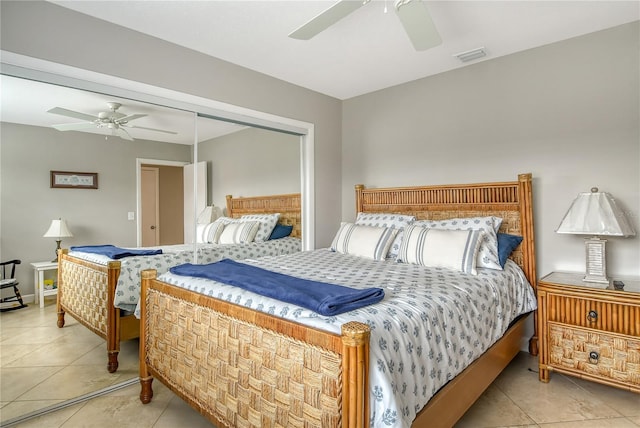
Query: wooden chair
[(8, 280)]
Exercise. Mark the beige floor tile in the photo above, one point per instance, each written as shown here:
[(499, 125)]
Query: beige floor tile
[(558, 401), (635, 420), (179, 413), (627, 403), (17, 381), (71, 382), (34, 335), (121, 411), (61, 352), (493, 409), (11, 353), (593, 423)]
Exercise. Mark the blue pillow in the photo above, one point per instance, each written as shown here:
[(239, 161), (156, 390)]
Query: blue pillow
[(280, 231), (506, 244)]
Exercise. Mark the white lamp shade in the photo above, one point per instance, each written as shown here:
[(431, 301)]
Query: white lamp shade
[(58, 229), (595, 213), (209, 214)]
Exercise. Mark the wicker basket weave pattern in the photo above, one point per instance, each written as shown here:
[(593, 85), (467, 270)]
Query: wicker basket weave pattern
[(87, 303), (287, 205), (237, 368), (618, 357), (609, 316)]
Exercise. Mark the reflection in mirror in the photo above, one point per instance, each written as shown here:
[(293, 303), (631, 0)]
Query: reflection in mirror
[(250, 162), (43, 365)]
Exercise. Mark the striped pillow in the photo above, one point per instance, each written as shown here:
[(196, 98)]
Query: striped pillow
[(450, 249), (267, 223), (213, 231), (239, 233), (488, 252), (364, 241), (396, 221)]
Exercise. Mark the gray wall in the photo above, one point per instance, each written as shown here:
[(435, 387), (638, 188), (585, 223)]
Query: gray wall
[(47, 31), (567, 112), (251, 162), (28, 204)]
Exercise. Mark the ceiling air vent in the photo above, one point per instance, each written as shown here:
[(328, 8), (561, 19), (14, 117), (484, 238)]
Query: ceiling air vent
[(471, 55)]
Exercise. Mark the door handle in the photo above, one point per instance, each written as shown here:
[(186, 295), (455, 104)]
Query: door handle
[(153, 227)]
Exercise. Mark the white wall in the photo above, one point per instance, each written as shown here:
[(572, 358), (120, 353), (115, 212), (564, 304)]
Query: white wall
[(251, 162), (567, 112)]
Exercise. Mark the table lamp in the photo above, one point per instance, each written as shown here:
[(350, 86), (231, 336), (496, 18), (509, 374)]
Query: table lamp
[(58, 230), (595, 213)]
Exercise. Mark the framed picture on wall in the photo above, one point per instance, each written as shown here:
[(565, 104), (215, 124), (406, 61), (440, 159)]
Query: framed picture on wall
[(74, 180)]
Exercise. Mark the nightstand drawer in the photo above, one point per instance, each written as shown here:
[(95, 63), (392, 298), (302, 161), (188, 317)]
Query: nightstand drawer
[(596, 314), (610, 357)]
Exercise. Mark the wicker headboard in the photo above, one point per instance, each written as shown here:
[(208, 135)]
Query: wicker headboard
[(509, 200), (287, 205)]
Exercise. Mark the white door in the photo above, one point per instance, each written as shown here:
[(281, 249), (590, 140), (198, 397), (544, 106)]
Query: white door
[(150, 206), (194, 202)]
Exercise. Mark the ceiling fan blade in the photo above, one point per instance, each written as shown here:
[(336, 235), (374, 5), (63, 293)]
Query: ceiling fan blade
[(70, 113), (326, 19), (131, 117), (418, 24), (124, 134), (152, 129), (74, 126)]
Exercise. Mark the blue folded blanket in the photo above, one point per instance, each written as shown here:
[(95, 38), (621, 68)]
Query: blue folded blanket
[(114, 252), (321, 297)]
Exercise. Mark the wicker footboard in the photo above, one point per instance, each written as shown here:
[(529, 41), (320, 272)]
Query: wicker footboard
[(86, 292), (242, 368)]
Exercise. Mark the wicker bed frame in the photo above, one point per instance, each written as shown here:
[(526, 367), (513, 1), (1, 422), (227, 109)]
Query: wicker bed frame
[(244, 368), (86, 290)]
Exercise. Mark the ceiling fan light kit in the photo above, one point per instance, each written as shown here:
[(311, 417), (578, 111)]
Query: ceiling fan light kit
[(413, 15), (112, 120)]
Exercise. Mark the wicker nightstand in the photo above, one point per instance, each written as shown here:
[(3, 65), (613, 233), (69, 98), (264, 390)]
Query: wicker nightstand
[(589, 330)]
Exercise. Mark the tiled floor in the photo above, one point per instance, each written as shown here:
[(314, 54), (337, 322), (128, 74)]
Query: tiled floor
[(516, 399)]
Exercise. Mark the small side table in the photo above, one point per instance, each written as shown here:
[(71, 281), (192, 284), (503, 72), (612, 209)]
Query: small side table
[(39, 268), (590, 330)]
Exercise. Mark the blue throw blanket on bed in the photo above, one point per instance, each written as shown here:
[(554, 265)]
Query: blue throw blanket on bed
[(323, 298), (114, 252)]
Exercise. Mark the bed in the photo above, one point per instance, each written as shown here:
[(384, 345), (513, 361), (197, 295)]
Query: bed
[(244, 367), (102, 294)]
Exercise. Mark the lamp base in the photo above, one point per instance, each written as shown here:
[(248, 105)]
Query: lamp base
[(596, 260), (58, 241)]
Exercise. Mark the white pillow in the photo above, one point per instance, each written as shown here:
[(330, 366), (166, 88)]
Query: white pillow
[(451, 249), (488, 252), (363, 241), (267, 223), (396, 221), (200, 230), (209, 233), (213, 232), (239, 232)]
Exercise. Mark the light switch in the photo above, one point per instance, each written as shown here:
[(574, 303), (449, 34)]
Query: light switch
[(131, 215)]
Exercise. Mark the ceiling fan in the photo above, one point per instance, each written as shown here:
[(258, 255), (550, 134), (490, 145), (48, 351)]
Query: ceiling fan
[(413, 15), (112, 119)]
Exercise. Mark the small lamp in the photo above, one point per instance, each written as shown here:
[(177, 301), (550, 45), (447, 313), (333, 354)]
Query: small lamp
[(595, 213), (209, 214), (58, 230)]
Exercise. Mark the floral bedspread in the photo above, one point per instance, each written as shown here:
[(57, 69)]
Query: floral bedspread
[(431, 324), (128, 286)]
